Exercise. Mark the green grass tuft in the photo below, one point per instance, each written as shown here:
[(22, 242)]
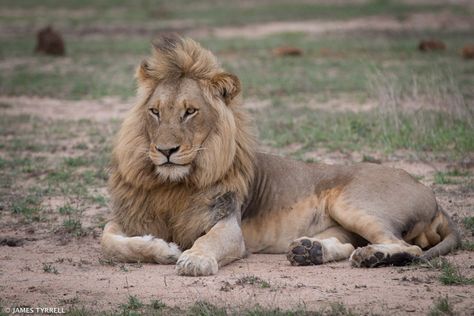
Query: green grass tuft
[(467, 245), (450, 275), (49, 268), (449, 177), (74, 227), (79, 312), (67, 209), (442, 307), (75, 161), (469, 223), (28, 206), (202, 308), (157, 304), (133, 304), (253, 280)]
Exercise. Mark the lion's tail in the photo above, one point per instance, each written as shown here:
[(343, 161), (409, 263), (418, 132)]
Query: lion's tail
[(138, 248), (450, 237)]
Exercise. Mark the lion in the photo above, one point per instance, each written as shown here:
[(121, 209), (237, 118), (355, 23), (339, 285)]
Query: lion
[(189, 186)]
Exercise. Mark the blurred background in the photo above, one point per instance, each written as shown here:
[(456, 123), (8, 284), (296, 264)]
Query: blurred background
[(340, 81)]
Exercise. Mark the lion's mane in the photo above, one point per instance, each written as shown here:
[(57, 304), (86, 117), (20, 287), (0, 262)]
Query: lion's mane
[(225, 164)]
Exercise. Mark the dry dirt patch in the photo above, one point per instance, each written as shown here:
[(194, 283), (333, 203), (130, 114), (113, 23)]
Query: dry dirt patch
[(100, 110), (419, 21), (77, 276)]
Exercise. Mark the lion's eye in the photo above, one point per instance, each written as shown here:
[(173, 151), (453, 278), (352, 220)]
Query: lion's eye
[(155, 112), (190, 111)]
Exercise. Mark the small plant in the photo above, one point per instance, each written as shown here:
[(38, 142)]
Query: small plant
[(28, 206), (447, 177), (75, 161), (442, 307), (338, 309), (107, 262), (450, 275), (441, 178), (2, 312), (67, 209), (123, 268), (253, 280), (202, 308), (132, 304), (74, 227), (469, 223), (157, 304), (467, 245), (49, 268), (79, 312)]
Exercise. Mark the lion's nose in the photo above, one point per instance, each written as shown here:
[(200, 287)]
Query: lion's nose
[(167, 151)]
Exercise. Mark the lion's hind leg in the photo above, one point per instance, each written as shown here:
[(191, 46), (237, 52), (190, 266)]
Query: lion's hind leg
[(333, 244), (386, 246), (138, 248)]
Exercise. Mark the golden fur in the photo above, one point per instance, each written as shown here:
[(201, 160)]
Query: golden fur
[(134, 185), (185, 176)]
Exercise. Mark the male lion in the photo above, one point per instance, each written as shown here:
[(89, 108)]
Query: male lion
[(186, 175)]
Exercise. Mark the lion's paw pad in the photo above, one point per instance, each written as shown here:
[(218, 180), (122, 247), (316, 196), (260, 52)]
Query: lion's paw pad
[(367, 257), (304, 252)]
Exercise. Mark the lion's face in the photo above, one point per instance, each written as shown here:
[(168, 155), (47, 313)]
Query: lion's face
[(184, 127), (178, 121)]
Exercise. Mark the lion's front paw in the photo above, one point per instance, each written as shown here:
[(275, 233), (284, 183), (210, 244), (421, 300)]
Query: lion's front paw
[(195, 263), (170, 256)]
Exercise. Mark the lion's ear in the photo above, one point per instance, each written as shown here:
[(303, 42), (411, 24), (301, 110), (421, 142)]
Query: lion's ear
[(144, 72), (226, 85)]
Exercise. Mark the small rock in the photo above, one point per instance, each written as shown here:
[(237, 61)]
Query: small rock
[(49, 42), (287, 51), (431, 45), (11, 242), (371, 159), (468, 51)]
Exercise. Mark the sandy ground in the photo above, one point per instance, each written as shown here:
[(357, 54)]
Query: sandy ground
[(84, 278), (421, 21)]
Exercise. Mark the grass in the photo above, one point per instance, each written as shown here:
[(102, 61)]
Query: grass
[(207, 13), (74, 227), (132, 304), (467, 245), (157, 304), (67, 209), (450, 275), (31, 175), (28, 206), (49, 268), (442, 307), (202, 308), (469, 224), (253, 280), (107, 262), (331, 65), (314, 129)]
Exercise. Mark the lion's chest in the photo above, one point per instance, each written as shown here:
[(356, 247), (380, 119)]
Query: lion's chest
[(174, 214), (179, 218)]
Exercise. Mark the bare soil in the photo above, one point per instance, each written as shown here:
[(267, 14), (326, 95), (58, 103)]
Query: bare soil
[(42, 267), (413, 22)]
